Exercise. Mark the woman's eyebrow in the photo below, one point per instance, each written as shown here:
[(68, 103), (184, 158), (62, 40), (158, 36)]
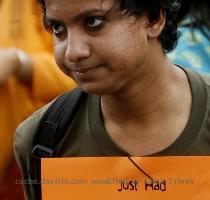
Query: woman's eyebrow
[(49, 20), (79, 16), (88, 12)]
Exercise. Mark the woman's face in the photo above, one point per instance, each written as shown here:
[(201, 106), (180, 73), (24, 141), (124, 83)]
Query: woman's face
[(101, 50)]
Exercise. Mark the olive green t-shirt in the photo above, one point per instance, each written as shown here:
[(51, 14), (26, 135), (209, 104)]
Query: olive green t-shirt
[(86, 135)]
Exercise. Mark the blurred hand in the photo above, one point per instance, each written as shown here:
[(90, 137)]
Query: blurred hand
[(9, 63), (15, 62)]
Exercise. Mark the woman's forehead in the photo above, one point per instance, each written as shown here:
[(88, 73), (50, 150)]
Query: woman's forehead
[(77, 4)]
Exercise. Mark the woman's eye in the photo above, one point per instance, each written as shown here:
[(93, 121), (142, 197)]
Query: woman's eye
[(57, 29), (94, 22)]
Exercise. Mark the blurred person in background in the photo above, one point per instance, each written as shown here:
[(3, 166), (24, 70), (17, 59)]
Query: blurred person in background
[(29, 78), (193, 49)]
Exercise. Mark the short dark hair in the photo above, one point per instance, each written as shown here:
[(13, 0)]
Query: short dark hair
[(153, 8)]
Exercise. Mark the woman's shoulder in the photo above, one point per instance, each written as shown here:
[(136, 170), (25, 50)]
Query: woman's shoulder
[(23, 138), (26, 131)]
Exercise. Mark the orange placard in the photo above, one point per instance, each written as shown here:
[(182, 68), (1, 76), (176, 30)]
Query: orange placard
[(126, 178)]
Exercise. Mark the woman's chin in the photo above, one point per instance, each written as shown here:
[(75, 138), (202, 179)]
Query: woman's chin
[(95, 89)]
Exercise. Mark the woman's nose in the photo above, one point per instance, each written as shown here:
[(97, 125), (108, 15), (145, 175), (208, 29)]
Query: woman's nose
[(77, 49)]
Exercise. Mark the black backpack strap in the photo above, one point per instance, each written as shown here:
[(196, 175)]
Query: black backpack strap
[(55, 122)]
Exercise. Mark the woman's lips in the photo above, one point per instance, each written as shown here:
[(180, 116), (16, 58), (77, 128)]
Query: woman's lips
[(85, 70), (82, 71), (87, 73)]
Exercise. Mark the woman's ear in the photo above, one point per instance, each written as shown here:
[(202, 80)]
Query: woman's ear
[(155, 28)]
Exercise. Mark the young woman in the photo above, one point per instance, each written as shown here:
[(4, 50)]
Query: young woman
[(138, 103)]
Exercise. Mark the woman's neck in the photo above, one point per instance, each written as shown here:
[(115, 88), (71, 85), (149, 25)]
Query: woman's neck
[(149, 112)]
